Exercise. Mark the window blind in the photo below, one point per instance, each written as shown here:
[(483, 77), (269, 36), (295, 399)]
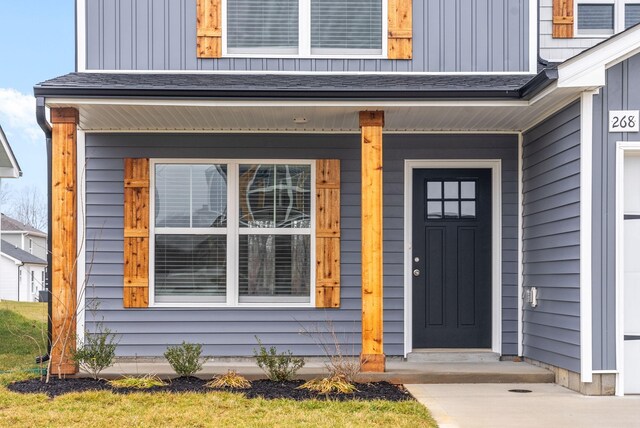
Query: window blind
[(256, 25), (631, 15), (188, 266), (596, 18), (346, 25)]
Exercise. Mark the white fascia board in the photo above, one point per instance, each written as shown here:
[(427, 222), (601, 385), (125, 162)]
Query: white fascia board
[(588, 69), (16, 261), (12, 171)]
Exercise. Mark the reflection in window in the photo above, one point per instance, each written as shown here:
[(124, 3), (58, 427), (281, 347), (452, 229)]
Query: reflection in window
[(459, 199)]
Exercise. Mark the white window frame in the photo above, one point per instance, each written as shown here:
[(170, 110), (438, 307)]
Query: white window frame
[(619, 7), (233, 232), (304, 39)]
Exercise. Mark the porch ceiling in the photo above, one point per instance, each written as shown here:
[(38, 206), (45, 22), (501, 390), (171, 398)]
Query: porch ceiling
[(122, 115)]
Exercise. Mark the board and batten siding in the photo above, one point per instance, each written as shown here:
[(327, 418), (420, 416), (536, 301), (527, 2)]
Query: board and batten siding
[(621, 92), (230, 331), (451, 35), (551, 239)]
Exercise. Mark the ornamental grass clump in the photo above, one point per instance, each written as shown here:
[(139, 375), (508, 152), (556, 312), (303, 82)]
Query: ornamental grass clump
[(186, 359), (133, 382), (230, 380), (278, 367), (328, 385), (97, 352)]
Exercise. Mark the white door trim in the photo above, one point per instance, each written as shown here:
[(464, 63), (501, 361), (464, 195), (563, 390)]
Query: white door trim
[(621, 148), (495, 165)]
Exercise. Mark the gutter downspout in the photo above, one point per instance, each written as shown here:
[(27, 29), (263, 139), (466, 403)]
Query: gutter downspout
[(541, 60), (41, 116)]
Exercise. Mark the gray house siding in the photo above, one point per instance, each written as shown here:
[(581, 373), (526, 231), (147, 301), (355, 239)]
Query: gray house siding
[(621, 92), (551, 239), (231, 331), (451, 35)]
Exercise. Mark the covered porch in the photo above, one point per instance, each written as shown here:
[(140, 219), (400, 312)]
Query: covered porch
[(437, 123)]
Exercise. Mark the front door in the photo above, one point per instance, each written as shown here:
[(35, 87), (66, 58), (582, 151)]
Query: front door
[(451, 258)]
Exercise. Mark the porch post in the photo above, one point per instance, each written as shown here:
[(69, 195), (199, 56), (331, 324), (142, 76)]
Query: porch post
[(63, 239), (372, 356)]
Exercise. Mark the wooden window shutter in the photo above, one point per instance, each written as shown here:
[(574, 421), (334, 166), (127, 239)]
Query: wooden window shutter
[(136, 233), (562, 19), (328, 233), (400, 38), (209, 28)]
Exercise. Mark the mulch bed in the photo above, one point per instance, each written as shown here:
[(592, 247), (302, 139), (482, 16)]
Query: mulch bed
[(259, 388)]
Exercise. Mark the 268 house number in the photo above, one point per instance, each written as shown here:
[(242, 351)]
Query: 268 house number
[(623, 121)]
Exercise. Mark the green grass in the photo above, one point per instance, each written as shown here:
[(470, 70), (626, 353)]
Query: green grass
[(23, 334), (219, 409)]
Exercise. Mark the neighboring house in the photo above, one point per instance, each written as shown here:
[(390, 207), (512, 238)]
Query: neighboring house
[(9, 168), (217, 173), (23, 274), (24, 261)]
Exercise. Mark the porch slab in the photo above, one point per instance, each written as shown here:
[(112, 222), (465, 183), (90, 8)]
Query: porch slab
[(398, 372)]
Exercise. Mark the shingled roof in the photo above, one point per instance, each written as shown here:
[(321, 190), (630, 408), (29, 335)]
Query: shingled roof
[(12, 225), (280, 85), (20, 255)]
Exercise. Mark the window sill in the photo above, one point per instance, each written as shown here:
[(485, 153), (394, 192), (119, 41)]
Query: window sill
[(231, 306), (290, 56)]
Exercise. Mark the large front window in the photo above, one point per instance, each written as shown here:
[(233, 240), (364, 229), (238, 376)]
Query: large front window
[(232, 232), (304, 27)]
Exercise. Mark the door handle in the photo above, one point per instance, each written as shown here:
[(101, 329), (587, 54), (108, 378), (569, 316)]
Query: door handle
[(416, 272)]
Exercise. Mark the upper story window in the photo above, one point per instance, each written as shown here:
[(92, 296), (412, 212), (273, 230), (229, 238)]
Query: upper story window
[(606, 17), (304, 27)]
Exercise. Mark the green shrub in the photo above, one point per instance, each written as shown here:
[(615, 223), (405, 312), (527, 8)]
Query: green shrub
[(278, 367), (97, 352), (185, 359)]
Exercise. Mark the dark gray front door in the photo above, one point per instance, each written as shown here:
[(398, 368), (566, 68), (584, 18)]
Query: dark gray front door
[(451, 258)]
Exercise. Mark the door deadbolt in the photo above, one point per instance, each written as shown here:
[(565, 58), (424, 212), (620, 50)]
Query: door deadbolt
[(416, 272)]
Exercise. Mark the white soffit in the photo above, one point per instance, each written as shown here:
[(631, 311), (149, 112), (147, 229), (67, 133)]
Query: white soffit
[(484, 116), (9, 167)]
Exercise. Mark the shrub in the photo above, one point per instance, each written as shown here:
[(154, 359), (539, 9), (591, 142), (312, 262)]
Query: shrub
[(339, 364), (278, 367), (229, 380), (144, 382), (330, 384), (185, 359), (97, 352)]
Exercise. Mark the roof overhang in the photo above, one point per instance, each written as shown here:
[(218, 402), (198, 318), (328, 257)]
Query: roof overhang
[(9, 167), (218, 102), (588, 69)]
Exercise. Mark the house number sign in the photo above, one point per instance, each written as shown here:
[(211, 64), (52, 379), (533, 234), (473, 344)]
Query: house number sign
[(624, 121)]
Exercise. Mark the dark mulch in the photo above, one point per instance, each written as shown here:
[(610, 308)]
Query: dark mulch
[(259, 388)]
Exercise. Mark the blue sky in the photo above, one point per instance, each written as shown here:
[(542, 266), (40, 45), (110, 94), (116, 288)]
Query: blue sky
[(37, 42)]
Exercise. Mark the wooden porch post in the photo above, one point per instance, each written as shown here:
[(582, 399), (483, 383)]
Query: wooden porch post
[(372, 356), (63, 239)]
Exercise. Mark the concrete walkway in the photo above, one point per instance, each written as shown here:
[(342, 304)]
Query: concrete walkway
[(548, 406)]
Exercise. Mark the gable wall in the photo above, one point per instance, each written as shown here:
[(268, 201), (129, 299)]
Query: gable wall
[(451, 35)]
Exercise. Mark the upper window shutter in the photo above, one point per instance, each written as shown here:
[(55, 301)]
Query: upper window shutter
[(209, 28), (328, 233), (136, 233), (400, 38), (562, 19)]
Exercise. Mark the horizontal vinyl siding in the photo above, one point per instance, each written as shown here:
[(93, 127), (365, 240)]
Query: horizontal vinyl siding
[(147, 332), (621, 92), (451, 35), (551, 239)]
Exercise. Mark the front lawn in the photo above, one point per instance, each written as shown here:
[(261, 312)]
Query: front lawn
[(220, 409), (23, 334)]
